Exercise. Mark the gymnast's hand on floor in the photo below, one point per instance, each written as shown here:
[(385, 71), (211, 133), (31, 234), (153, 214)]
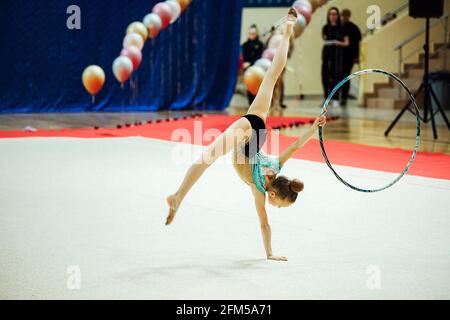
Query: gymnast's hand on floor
[(277, 258), (320, 121)]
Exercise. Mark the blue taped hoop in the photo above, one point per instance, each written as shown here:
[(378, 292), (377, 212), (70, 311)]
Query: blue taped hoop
[(416, 146)]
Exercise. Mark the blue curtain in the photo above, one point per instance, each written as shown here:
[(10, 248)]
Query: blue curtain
[(192, 64), (267, 3)]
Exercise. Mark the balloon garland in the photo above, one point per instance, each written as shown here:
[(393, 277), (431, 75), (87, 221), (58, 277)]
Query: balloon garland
[(137, 33)]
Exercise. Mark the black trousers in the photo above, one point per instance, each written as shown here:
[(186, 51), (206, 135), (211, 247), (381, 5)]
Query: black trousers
[(331, 75), (347, 70)]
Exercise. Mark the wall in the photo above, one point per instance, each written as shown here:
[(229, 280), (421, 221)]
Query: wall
[(305, 63), (393, 34)]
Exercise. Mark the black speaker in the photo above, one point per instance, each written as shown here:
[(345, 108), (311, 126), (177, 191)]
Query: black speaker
[(426, 9)]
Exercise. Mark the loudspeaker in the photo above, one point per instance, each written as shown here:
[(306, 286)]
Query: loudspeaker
[(426, 9)]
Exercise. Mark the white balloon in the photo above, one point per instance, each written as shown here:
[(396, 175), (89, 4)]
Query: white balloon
[(122, 68), (263, 63), (176, 9), (133, 39), (299, 26), (152, 19), (301, 20)]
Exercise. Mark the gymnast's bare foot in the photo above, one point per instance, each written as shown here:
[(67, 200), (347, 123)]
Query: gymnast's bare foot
[(292, 14), (173, 203), (290, 22)]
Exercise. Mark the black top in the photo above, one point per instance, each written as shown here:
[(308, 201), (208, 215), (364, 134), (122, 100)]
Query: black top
[(354, 35), (330, 32), (252, 50)]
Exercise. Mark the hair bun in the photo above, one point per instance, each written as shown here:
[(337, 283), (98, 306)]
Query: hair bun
[(296, 185)]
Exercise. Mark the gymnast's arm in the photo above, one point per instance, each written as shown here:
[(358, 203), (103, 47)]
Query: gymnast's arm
[(260, 200), (301, 141)]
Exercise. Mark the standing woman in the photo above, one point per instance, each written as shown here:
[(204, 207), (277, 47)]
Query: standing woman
[(336, 38), (252, 50)]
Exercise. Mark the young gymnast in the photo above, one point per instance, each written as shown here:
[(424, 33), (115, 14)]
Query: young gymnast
[(245, 137)]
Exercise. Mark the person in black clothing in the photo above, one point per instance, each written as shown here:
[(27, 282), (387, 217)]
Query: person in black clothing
[(252, 50), (336, 39), (351, 53)]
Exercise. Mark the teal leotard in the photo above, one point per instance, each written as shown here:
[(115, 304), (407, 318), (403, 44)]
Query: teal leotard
[(260, 161)]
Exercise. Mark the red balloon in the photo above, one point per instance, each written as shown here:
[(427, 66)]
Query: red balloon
[(134, 54), (304, 11), (164, 12)]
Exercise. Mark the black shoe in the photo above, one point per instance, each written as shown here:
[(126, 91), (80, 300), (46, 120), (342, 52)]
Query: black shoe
[(283, 106), (343, 103)]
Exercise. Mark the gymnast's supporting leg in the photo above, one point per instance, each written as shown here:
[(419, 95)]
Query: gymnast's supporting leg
[(262, 102)]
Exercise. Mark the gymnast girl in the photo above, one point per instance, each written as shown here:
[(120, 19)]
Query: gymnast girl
[(245, 137)]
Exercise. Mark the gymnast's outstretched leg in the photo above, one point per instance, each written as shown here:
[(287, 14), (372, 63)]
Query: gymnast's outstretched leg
[(240, 130), (262, 102), (236, 133)]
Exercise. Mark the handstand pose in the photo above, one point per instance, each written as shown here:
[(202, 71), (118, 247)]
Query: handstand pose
[(245, 137)]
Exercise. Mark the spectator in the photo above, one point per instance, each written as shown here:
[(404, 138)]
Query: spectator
[(351, 53), (336, 39), (252, 50)]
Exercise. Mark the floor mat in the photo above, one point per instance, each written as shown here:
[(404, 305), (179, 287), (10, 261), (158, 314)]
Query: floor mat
[(426, 164)]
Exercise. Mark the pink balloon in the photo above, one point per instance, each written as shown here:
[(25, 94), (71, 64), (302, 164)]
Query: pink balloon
[(164, 11), (134, 54), (306, 3), (269, 54), (304, 11)]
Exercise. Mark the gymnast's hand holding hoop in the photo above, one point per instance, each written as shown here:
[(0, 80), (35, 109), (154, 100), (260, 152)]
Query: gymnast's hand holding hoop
[(320, 121)]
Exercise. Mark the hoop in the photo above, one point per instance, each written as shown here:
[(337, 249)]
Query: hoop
[(416, 146)]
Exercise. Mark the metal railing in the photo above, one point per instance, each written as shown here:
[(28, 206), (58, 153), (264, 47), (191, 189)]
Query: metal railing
[(400, 47)]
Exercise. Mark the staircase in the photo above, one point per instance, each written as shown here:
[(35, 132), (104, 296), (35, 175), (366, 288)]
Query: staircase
[(391, 95)]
